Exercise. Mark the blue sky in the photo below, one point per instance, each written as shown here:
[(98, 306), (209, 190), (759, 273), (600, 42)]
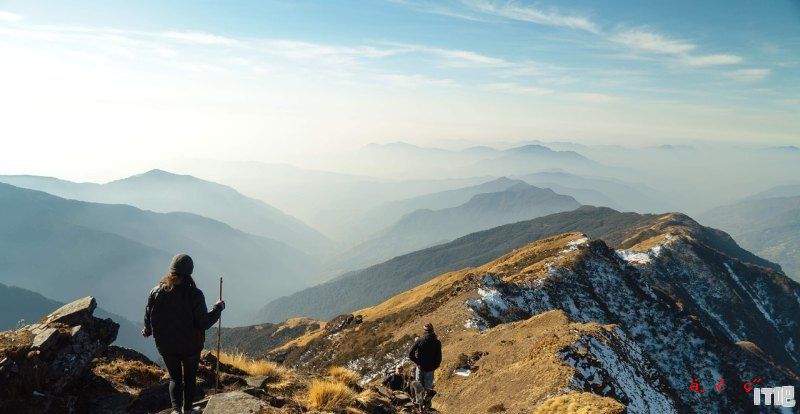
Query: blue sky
[(267, 79)]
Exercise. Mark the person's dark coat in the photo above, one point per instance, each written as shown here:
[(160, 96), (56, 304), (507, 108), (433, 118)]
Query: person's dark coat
[(427, 352), (178, 319)]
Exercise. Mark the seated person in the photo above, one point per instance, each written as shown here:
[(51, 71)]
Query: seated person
[(396, 381)]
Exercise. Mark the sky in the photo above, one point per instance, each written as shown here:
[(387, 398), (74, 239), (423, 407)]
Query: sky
[(93, 89)]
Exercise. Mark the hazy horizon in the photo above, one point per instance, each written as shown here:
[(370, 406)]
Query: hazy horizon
[(94, 91)]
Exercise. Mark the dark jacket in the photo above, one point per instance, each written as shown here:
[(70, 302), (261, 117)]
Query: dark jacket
[(178, 319), (394, 382), (426, 352)]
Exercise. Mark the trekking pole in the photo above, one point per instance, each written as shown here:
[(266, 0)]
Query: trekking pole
[(219, 338)]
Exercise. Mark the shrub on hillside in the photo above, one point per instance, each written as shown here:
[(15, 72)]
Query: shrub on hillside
[(344, 375), (255, 367), (325, 395)]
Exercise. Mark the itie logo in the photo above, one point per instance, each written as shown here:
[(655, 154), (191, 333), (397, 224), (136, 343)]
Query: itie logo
[(783, 396)]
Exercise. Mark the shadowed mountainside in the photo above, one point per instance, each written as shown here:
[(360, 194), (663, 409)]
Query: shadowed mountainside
[(165, 192), (768, 226), (65, 248)]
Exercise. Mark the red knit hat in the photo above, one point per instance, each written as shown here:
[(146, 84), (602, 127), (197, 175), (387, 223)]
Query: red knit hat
[(428, 327)]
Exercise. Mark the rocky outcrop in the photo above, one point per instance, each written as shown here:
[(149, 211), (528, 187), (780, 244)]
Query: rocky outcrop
[(342, 322), (234, 402), (655, 340), (40, 362)]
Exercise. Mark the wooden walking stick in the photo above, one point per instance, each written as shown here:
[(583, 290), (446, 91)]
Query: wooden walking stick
[(219, 338)]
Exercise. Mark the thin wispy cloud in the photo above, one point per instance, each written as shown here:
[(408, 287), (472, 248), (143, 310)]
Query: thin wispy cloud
[(426, 6), (200, 38), (640, 41), (413, 81), (678, 50), (749, 75), (330, 54), (516, 10), (595, 98), (464, 57), (529, 68), (451, 57), (518, 89), (712, 60), (9, 17), (643, 40)]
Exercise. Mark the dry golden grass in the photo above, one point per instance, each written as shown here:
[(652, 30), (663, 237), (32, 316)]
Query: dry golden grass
[(131, 373), (325, 395), (303, 340), (255, 367), (344, 375), (369, 401), (413, 297), (14, 340), (580, 403)]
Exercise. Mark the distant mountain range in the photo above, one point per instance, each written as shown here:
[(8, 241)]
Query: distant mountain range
[(324, 199), (602, 192), (768, 226), (165, 192), (362, 226), (369, 286), (789, 190), (65, 249), (400, 159), (425, 228)]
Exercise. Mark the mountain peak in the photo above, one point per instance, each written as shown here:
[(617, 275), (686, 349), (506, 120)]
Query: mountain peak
[(479, 149), (160, 174), (530, 149)]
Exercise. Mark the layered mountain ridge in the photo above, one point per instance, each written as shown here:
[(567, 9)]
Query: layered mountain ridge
[(424, 228), (374, 284), (165, 192), (66, 248), (568, 315)]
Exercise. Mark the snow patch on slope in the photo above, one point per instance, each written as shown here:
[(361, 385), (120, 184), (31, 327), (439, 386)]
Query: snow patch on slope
[(639, 257), (614, 366), (755, 300), (573, 245)]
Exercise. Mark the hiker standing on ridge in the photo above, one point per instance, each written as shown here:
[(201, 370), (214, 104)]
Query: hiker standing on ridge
[(177, 317), (427, 354)]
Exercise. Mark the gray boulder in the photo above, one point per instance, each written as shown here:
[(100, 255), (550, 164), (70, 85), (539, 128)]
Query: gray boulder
[(74, 313), (234, 402), (258, 381)]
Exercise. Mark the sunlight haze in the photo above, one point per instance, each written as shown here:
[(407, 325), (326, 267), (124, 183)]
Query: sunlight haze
[(99, 90)]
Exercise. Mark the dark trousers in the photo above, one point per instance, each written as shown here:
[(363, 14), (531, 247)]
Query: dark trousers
[(182, 377)]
